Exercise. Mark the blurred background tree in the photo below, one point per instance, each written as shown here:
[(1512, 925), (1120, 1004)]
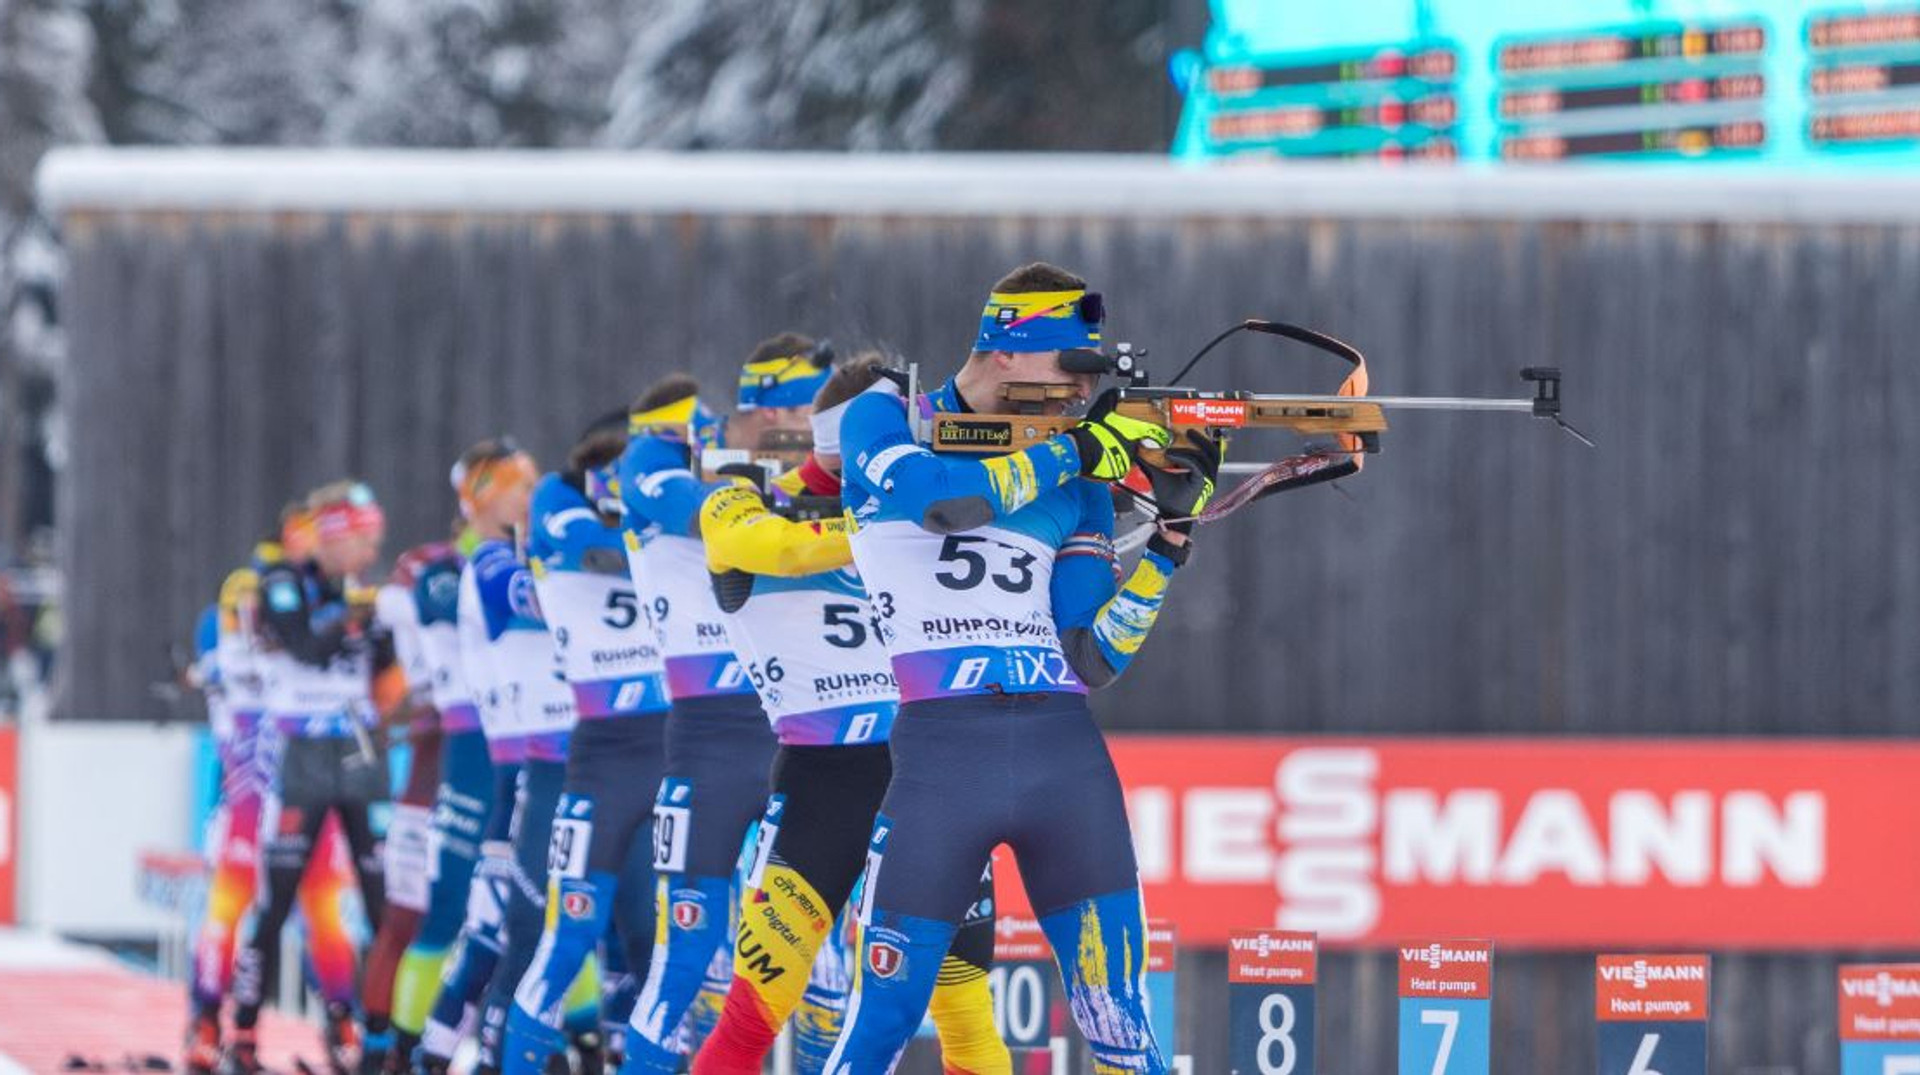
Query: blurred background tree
[(827, 75)]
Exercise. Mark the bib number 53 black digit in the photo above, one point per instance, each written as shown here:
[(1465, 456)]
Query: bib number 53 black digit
[(966, 552)]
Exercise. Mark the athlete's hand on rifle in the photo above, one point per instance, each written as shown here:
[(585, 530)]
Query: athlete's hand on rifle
[(1109, 442), (1181, 490)]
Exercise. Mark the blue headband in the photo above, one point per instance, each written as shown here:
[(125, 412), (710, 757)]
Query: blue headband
[(787, 381), (1030, 321)]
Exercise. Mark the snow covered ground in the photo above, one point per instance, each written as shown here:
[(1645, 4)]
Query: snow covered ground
[(60, 1000)]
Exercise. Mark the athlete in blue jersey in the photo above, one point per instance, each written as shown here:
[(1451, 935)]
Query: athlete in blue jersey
[(601, 862), (461, 800), (494, 480), (718, 744), (524, 666), (419, 597), (995, 585)]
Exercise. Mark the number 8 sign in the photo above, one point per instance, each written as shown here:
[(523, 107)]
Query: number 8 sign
[(1270, 980), (1446, 993)]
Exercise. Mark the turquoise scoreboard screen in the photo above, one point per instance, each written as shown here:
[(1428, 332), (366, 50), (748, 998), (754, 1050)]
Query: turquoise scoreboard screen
[(1493, 80)]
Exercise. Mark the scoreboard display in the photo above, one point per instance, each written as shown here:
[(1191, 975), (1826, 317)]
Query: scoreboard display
[(1580, 80), (1863, 82), (1667, 89), (1385, 102)]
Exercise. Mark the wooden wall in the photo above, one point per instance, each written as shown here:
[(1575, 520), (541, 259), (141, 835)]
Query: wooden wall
[(1738, 556)]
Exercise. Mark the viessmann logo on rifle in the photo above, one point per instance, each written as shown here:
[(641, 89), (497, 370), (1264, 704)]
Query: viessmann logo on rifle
[(1220, 413), (958, 433)]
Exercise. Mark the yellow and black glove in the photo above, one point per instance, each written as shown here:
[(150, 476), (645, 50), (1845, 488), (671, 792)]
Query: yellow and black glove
[(1181, 494), (1109, 442)]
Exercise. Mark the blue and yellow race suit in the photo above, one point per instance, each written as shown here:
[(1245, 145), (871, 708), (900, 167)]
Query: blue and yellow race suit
[(798, 613), (995, 585), (462, 802), (718, 749), (527, 713), (542, 776), (601, 863), (408, 852)]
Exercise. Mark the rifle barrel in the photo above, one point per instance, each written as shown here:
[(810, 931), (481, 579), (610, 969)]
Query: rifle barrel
[(1410, 403)]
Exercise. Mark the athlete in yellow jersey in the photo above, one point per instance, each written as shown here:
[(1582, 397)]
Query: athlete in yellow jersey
[(802, 623)]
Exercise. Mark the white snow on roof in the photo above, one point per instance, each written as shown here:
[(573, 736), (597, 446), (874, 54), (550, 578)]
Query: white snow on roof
[(268, 180)]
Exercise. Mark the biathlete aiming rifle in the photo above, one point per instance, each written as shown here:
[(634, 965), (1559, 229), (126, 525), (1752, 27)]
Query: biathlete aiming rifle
[(1353, 419)]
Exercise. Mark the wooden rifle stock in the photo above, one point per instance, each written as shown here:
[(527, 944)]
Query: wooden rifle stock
[(1353, 419)]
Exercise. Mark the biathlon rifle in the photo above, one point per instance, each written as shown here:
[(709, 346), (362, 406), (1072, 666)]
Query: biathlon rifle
[(1349, 416)]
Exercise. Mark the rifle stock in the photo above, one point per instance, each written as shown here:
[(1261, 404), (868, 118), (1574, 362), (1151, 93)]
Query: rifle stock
[(1354, 420)]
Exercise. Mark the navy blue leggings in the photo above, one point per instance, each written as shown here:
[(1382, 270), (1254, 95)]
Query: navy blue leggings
[(1032, 772), (719, 751), (1027, 770), (460, 814), (616, 764), (540, 786), (602, 864)]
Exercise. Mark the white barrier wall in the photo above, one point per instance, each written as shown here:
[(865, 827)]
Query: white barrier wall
[(93, 796)]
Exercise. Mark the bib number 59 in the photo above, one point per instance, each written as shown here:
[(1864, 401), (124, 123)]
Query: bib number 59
[(670, 838)]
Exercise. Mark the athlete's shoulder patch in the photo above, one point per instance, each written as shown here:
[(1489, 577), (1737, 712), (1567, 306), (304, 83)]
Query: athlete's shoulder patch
[(283, 595), (558, 523), (437, 594), (875, 464)]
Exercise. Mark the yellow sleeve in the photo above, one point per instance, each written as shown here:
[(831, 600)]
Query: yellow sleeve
[(790, 482), (240, 589), (742, 535)]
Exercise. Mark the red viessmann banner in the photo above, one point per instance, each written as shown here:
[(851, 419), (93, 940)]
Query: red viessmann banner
[(1541, 843), (9, 824)]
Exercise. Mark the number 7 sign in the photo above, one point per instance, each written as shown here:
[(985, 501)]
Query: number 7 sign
[(1446, 996), (1880, 1019)]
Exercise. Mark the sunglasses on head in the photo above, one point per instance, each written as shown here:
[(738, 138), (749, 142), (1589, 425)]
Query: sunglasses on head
[(1090, 307), (820, 358)]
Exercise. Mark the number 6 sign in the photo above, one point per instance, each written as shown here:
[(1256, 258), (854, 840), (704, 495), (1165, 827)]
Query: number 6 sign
[(1653, 1014), (1446, 996), (1270, 978), (1880, 1019)]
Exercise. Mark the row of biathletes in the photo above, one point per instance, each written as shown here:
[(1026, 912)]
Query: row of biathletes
[(705, 741)]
